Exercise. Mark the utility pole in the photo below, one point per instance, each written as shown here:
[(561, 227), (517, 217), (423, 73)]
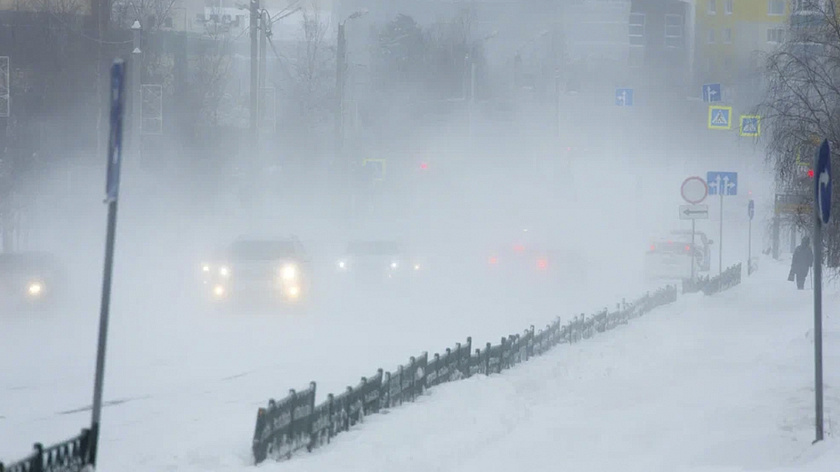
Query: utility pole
[(255, 12), (264, 21), (340, 58), (136, 92)]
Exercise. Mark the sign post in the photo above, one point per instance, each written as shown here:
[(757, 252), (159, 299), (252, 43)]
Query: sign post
[(751, 214), (822, 215), (112, 190), (723, 184), (694, 190)]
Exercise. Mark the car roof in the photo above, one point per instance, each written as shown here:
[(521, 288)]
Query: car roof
[(12, 260)]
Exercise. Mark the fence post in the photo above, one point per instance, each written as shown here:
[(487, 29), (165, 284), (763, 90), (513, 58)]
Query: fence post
[(386, 391), (487, 359), (311, 421), (290, 439), (331, 415)]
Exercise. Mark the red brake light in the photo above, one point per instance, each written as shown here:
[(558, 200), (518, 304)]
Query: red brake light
[(811, 173), (424, 165), (542, 264), (493, 260), (687, 248), (518, 248), (653, 247)]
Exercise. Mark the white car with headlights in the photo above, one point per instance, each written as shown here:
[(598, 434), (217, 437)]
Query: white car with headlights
[(372, 260), (30, 279), (257, 270)]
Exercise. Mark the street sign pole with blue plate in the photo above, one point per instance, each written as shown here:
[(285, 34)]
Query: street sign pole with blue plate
[(117, 99), (822, 215), (723, 184)]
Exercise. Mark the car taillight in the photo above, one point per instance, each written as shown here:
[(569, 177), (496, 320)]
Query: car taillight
[(688, 248), (519, 248), (542, 264), (493, 260), (653, 247)]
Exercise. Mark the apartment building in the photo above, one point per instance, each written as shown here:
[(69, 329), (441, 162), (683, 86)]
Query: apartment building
[(732, 38)]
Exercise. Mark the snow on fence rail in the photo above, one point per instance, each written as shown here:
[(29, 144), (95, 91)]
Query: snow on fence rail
[(296, 423), (710, 286), (72, 455)]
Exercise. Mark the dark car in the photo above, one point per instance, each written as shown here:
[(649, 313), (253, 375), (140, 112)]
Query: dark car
[(30, 279), (259, 270), (379, 260)]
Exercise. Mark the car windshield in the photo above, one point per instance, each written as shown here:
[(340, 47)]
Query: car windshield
[(373, 248), (262, 250)]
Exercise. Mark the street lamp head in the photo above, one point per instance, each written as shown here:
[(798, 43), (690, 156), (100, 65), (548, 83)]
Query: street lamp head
[(136, 25)]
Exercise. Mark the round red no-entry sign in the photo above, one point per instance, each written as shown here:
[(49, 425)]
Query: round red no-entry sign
[(694, 190)]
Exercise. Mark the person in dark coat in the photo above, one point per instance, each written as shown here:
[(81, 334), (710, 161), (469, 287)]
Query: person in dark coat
[(803, 259)]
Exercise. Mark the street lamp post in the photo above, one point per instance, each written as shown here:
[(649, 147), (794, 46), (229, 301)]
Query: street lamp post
[(137, 89), (340, 69)]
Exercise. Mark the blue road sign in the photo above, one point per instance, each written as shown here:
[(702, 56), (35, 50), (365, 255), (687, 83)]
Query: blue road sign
[(720, 117), (722, 183), (112, 187), (750, 125), (711, 93), (823, 182), (751, 209), (624, 97)]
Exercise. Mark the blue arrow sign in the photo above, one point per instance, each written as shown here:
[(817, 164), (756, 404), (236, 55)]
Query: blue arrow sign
[(823, 182), (751, 209), (624, 97), (711, 93), (722, 183)]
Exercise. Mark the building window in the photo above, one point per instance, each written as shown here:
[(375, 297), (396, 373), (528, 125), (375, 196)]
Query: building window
[(711, 7), (727, 35), (728, 6), (673, 31), (711, 37), (775, 35), (637, 29), (776, 7)]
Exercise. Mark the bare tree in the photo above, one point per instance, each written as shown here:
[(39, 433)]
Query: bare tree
[(313, 66), (802, 107), (210, 72)]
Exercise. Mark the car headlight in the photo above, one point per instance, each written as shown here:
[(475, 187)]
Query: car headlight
[(416, 266), (35, 289), (293, 291), (219, 291), (205, 268), (289, 273), (224, 271), (342, 265), (395, 265)]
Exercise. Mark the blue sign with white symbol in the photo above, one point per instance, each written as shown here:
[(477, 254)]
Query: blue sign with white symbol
[(711, 93), (624, 97), (823, 182), (722, 183), (751, 209)]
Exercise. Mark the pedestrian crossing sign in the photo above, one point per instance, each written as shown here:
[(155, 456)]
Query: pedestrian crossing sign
[(750, 125), (720, 117)]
